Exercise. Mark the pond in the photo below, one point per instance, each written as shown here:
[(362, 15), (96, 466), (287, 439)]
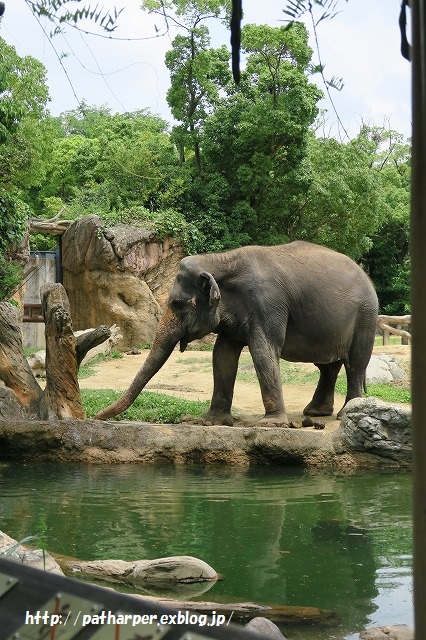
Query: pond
[(277, 535)]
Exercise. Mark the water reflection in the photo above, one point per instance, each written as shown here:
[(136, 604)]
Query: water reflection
[(277, 535)]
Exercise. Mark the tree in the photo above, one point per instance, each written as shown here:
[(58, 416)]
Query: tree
[(197, 73), (344, 204), (255, 142), (197, 76), (23, 99), (388, 260)]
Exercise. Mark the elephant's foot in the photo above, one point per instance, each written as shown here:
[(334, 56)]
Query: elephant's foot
[(278, 419), (323, 409), (218, 417)]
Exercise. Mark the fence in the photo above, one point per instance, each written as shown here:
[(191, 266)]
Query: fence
[(395, 325)]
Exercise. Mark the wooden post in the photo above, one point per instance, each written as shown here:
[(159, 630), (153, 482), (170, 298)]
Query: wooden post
[(418, 294)]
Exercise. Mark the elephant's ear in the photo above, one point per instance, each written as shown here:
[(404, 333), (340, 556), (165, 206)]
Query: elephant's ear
[(213, 288)]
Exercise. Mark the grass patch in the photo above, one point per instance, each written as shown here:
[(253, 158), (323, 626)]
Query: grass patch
[(148, 406), (387, 392), (378, 341), (291, 373)]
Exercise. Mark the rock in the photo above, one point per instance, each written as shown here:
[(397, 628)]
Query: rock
[(117, 276), (295, 424), (397, 632), (384, 368), (102, 569), (140, 442), (169, 570), (182, 576), (174, 569), (37, 362), (30, 557), (319, 424), (265, 627), (377, 427)]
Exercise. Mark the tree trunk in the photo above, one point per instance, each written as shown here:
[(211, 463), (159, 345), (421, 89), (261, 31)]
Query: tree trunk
[(14, 368), (61, 398)]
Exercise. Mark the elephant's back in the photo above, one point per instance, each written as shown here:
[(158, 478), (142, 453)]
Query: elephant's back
[(317, 267)]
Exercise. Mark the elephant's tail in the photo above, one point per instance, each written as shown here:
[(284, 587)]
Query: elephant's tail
[(364, 383)]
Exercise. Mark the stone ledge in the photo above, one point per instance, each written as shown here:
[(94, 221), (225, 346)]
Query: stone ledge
[(138, 442)]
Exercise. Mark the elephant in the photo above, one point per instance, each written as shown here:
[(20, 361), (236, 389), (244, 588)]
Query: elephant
[(299, 301)]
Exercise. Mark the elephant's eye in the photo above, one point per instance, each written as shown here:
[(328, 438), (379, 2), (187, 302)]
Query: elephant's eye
[(177, 304)]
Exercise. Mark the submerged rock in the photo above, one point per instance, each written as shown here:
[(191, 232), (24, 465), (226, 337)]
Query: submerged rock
[(265, 627), (184, 576)]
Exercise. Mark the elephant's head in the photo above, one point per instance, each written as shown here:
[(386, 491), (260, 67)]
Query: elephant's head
[(191, 313)]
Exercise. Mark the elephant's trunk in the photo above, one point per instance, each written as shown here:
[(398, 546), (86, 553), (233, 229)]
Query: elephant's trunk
[(167, 336)]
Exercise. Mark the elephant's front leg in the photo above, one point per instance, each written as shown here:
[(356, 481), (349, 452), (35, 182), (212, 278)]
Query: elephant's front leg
[(267, 364), (225, 365)]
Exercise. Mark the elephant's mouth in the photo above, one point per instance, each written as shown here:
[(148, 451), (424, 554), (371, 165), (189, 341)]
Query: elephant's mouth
[(183, 344)]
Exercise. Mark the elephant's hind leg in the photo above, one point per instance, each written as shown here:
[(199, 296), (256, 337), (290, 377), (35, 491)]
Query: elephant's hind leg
[(322, 403), (356, 365)]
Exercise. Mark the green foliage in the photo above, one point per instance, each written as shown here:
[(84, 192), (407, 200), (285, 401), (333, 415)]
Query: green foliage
[(295, 9), (386, 392), (13, 226), (58, 12), (343, 205), (255, 142), (148, 406), (388, 260), (240, 166), (10, 278), (22, 89)]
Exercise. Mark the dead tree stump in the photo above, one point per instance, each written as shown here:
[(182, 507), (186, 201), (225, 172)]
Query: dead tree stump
[(14, 368), (61, 397)]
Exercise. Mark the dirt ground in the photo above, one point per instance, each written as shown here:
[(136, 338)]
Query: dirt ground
[(189, 375)]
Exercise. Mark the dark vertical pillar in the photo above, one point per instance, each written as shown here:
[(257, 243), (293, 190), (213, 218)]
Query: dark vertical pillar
[(59, 268), (418, 255)]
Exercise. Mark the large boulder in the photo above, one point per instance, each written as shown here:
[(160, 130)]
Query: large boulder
[(117, 276), (174, 569), (36, 558), (377, 427), (384, 369), (177, 575), (396, 632)]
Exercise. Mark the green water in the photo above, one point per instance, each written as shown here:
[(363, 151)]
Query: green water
[(282, 536)]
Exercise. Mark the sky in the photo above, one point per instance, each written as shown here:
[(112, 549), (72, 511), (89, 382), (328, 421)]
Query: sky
[(361, 45)]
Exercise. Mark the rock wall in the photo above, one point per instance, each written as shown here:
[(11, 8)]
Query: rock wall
[(120, 276), (140, 442)]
